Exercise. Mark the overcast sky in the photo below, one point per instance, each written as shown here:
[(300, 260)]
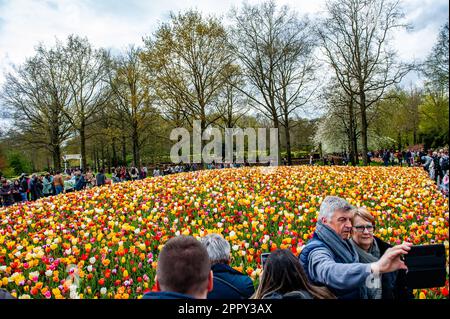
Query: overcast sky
[(115, 24)]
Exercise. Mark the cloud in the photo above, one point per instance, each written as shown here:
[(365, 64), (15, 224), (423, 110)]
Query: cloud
[(117, 23), (426, 14)]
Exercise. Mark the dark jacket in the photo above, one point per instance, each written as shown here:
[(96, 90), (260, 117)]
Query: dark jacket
[(230, 283), (16, 190), (393, 284), (24, 184), (298, 294), (100, 179), (165, 295), (7, 194), (79, 185), (34, 189), (437, 165)]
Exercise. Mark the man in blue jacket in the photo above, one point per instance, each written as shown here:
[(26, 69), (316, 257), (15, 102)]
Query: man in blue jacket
[(329, 260), (228, 282), (183, 270)]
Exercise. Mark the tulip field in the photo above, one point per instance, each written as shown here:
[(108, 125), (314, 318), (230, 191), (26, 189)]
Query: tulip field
[(104, 242)]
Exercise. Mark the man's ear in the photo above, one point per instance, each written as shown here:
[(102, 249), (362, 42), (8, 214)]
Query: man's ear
[(323, 220), (158, 287), (210, 281)]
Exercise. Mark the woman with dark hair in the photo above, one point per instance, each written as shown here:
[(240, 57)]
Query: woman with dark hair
[(283, 277), (16, 190)]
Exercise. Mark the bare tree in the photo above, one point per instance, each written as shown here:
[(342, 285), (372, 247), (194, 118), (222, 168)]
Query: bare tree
[(340, 106), (294, 73), (133, 101), (233, 104), (355, 38), (37, 93), (274, 48), (188, 60), (87, 74)]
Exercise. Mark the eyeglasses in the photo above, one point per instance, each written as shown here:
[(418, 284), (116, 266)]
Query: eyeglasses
[(360, 229)]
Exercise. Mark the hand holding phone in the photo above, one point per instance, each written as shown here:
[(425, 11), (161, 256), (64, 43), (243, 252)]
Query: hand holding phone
[(426, 266)]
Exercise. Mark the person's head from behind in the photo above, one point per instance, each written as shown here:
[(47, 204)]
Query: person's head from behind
[(219, 250), (183, 267), (283, 273), (363, 226), (4, 294), (335, 212)]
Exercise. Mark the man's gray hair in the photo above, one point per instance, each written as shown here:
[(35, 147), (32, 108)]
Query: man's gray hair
[(218, 248), (332, 203)]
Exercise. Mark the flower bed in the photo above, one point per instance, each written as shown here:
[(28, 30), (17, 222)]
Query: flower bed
[(104, 242)]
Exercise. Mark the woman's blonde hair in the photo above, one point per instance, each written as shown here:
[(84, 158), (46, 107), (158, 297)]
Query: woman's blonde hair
[(363, 213)]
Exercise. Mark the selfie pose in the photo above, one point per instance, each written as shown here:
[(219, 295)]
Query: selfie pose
[(370, 248), (330, 260)]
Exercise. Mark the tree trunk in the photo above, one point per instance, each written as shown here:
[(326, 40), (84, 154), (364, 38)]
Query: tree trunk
[(202, 129), (352, 132), (114, 152), (135, 140), (355, 159), (108, 159), (276, 125), (95, 168), (365, 149), (124, 143), (98, 159), (102, 150), (83, 144), (287, 135), (56, 146), (351, 148), (56, 154)]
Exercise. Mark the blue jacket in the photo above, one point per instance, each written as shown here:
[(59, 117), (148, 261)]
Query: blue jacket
[(80, 183), (165, 295), (230, 283), (345, 281)]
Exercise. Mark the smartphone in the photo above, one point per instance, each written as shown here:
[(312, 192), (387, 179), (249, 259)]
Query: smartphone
[(264, 257), (426, 266)]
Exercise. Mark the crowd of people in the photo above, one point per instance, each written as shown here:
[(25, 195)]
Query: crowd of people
[(434, 162), (343, 260), (26, 188)]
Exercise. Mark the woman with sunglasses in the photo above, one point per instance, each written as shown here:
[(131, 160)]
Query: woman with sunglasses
[(370, 248)]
